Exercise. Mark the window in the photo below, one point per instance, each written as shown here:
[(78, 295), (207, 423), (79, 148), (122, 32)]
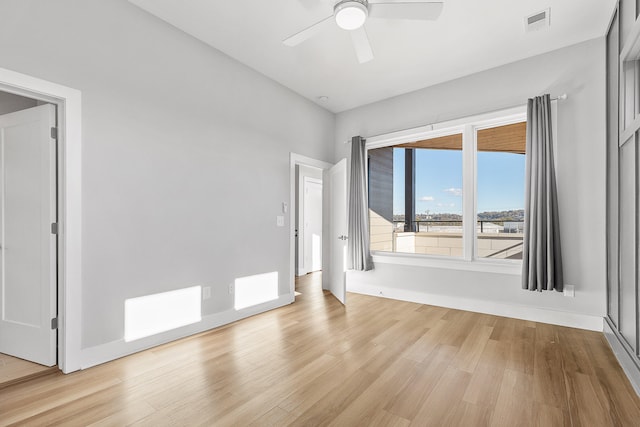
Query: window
[(426, 195), (500, 191), (456, 191)]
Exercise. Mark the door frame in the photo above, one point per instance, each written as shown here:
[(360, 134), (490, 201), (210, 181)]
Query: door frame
[(300, 160), (69, 186)]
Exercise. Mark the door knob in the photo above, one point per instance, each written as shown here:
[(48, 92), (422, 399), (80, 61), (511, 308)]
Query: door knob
[(342, 237)]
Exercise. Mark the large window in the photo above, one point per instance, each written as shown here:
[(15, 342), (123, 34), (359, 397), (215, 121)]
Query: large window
[(456, 192)]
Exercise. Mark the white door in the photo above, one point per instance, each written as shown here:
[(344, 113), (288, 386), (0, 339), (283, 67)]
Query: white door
[(312, 224), (27, 245), (338, 233)]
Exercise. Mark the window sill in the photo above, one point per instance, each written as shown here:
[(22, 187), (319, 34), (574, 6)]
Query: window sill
[(511, 267)]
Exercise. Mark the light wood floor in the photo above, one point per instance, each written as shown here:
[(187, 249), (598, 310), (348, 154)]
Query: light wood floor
[(13, 370), (375, 362)]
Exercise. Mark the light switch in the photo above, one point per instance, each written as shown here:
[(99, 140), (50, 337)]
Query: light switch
[(280, 221)]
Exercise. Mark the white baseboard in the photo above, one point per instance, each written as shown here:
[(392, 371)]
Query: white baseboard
[(542, 315), (629, 366), (103, 353)]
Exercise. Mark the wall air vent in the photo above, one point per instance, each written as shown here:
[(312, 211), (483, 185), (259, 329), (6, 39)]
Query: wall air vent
[(538, 21)]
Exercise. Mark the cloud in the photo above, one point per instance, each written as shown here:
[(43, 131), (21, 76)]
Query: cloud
[(453, 191), (427, 199)]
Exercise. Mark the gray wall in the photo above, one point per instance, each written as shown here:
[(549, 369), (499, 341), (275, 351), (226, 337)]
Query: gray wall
[(10, 103), (578, 71), (185, 153)]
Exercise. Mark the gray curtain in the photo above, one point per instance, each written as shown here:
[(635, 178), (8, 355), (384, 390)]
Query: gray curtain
[(358, 220), (541, 256)]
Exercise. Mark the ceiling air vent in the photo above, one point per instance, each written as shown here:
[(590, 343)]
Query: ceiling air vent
[(537, 21)]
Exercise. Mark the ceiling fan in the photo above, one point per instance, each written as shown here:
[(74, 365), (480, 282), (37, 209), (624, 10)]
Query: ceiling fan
[(351, 15)]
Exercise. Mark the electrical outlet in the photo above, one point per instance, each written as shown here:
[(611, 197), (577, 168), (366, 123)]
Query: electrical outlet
[(280, 221), (569, 291), (206, 292), (231, 288)]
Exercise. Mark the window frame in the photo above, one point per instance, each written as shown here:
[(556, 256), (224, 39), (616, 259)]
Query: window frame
[(468, 127)]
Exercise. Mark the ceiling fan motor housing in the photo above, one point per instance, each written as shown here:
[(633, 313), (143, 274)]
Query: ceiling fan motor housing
[(351, 14)]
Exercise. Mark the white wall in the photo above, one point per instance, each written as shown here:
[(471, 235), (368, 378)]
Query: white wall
[(185, 156), (10, 103), (578, 71)]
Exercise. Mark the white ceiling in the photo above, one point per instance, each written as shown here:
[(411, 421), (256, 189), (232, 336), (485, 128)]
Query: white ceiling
[(469, 36)]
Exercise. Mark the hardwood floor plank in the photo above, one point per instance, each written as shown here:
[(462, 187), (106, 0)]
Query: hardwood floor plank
[(276, 417), (329, 406), (522, 340), (48, 398), (457, 326), (431, 314), (468, 414), (574, 348), (514, 406), (545, 416), (440, 405), (382, 418), (485, 381), (585, 407), (407, 402), (421, 349), (14, 370), (112, 410), (382, 388), (472, 348), (258, 401), (548, 381), (619, 394)]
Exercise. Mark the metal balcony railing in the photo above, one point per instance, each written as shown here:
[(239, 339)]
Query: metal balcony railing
[(458, 222)]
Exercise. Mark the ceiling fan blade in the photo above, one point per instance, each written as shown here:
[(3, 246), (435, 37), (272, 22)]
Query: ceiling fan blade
[(405, 9), (307, 33), (361, 44)]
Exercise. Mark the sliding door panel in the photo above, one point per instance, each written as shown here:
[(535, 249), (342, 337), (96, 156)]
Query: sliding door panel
[(612, 171), (627, 229)]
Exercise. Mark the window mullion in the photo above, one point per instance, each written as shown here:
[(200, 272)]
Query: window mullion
[(468, 192)]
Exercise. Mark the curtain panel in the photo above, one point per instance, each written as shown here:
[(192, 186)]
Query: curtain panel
[(541, 257), (359, 255)]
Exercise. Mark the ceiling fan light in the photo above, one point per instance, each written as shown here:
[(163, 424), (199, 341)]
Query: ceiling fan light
[(350, 14)]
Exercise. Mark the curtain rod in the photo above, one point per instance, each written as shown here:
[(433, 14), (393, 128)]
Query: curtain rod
[(561, 97)]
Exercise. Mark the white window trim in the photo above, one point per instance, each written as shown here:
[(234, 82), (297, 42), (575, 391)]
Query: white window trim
[(468, 127)]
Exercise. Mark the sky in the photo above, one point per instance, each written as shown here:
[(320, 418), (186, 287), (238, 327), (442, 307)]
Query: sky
[(439, 181)]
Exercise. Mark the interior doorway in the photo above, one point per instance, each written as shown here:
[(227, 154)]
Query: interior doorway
[(308, 226), (309, 218), (68, 102), (28, 236)]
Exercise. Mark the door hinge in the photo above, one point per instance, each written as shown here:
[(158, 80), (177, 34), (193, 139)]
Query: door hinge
[(54, 228), (54, 323), (54, 133)]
